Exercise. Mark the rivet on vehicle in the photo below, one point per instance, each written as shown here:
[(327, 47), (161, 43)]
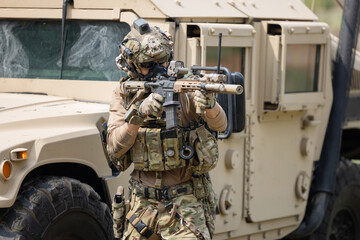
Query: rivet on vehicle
[(307, 29), (323, 29), (291, 30), (253, 4), (230, 31), (291, 6), (232, 3), (212, 30), (253, 32), (217, 3), (178, 2)]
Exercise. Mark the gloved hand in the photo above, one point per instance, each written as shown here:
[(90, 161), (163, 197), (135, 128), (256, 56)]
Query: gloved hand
[(204, 101), (152, 105)]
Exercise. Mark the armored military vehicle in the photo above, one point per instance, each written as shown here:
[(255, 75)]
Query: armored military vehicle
[(289, 173)]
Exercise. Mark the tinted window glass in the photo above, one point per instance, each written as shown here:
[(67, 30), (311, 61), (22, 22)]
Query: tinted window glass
[(32, 49), (232, 58), (302, 68)]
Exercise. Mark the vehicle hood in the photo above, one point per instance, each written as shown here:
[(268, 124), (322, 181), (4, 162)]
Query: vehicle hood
[(27, 117)]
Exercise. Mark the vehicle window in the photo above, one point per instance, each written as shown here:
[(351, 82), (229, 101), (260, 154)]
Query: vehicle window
[(232, 58), (32, 49), (302, 68)]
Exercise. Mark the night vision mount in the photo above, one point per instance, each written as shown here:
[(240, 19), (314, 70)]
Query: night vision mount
[(142, 26)]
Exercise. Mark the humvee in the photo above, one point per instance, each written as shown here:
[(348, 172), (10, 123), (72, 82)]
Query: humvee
[(290, 173)]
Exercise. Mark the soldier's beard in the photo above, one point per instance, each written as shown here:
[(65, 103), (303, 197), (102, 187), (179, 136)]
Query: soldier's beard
[(158, 70)]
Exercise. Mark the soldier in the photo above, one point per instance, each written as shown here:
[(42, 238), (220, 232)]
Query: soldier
[(171, 193)]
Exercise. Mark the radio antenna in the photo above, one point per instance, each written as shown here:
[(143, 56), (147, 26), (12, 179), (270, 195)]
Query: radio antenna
[(219, 53)]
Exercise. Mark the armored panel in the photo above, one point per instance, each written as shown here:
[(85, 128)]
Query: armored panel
[(274, 9), (189, 8)]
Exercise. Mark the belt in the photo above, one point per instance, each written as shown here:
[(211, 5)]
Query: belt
[(166, 193)]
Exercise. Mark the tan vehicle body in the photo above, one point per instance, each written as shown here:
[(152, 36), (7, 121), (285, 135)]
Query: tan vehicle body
[(264, 173)]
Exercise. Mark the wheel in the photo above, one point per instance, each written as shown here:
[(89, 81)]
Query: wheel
[(54, 208), (342, 219)]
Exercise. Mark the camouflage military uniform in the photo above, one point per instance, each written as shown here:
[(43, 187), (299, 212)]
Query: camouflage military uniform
[(164, 224), (171, 197)]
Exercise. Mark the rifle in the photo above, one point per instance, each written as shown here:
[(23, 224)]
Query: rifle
[(169, 84)]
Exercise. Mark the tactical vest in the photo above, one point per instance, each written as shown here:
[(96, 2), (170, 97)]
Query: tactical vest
[(158, 149), (154, 150)]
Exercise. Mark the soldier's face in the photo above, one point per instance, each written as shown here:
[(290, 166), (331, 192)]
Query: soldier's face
[(145, 71)]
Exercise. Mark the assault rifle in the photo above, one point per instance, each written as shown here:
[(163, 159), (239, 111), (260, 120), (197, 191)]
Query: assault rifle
[(169, 84)]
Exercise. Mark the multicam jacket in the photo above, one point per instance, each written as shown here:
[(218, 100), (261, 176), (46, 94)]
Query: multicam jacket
[(120, 141)]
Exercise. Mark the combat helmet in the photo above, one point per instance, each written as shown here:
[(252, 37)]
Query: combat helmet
[(144, 47)]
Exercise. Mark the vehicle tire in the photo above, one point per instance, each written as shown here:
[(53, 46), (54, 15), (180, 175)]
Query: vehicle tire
[(342, 218), (54, 208)]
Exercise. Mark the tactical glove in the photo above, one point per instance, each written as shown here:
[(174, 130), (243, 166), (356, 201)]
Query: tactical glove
[(152, 105), (204, 101)]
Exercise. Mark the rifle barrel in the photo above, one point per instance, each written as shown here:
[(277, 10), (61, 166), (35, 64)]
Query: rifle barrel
[(223, 88)]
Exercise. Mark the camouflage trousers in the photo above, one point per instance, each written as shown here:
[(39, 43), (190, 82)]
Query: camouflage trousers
[(166, 226)]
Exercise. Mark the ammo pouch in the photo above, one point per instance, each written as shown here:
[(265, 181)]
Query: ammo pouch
[(206, 148), (156, 150)]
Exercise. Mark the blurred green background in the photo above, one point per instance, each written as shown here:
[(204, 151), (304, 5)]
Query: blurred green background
[(328, 11)]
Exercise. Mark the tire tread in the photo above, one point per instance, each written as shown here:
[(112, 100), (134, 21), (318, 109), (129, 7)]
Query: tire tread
[(43, 199)]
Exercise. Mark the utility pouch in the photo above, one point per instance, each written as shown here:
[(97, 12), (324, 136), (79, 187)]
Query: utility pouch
[(122, 163), (200, 190), (139, 151), (119, 213), (206, 149)]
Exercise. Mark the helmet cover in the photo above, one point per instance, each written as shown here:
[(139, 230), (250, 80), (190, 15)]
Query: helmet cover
[(155, 47)]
